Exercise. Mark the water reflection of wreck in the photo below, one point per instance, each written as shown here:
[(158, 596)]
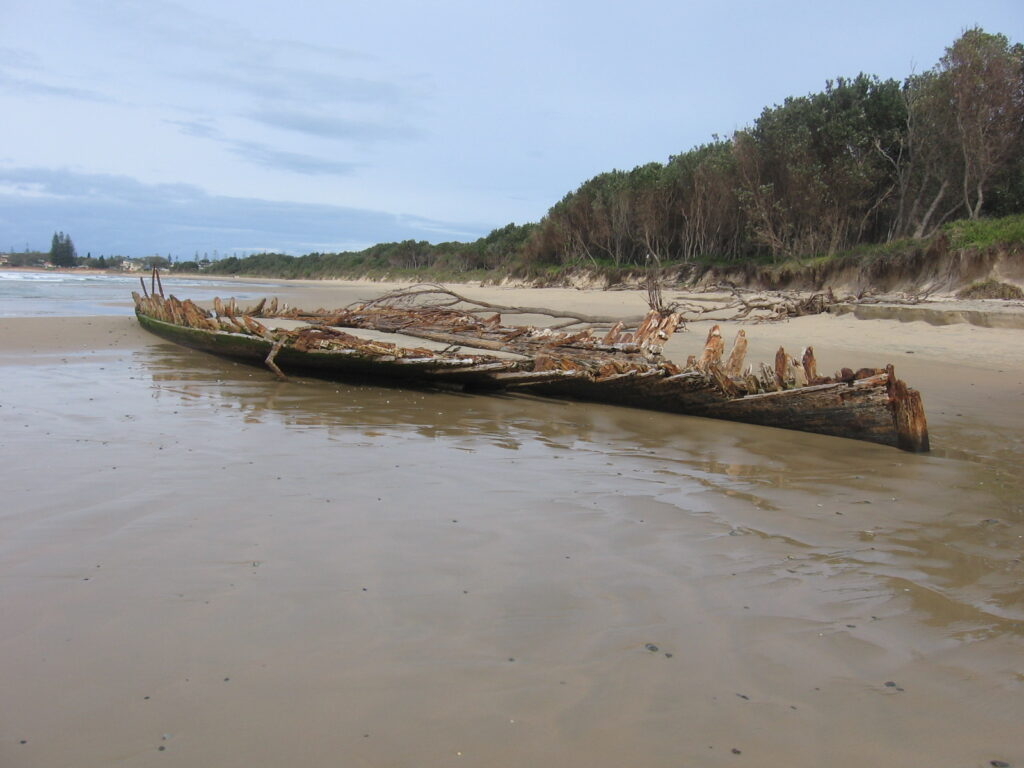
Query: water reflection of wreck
[(454, 347)]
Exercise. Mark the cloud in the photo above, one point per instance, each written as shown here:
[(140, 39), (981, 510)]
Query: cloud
[(210, 51), (266, 155), (201, 129), (19, 58), (295, 85), (199, 33), (333, 127), (295, 162), (22, 71), (121, 215), (40, 88), (258, 98)]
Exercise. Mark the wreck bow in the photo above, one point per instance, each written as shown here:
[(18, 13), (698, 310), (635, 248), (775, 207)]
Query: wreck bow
[(622, 366)]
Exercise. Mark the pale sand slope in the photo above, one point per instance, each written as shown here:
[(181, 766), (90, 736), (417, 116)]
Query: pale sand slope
[(322, 575)]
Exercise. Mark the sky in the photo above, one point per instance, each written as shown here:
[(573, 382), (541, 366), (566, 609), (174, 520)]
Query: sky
[(200, 126)]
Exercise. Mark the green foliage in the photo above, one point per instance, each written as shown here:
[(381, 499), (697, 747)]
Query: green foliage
[(863, 161), (984, 233), (89, 262), (62, 250), (27, 259), (406, 258)]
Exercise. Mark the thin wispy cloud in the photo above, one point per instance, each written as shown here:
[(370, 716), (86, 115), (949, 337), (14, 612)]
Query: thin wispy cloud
[(294, 162), (199, 128), (290, 84), (19, 58), (215, 52), (24, 72), (334, 126), (42, 88), (201, 33), (298, 90), (260, 153)]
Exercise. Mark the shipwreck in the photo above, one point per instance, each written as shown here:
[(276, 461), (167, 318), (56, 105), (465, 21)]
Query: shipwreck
[(445, 343)]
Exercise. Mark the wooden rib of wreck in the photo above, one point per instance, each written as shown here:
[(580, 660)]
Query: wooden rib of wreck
[(621, 367)]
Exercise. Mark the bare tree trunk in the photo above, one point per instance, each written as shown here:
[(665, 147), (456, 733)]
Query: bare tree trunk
[(922, 226), (976, 213)]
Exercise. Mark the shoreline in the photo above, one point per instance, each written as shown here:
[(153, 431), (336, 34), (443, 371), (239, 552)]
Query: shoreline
[(937, 309)]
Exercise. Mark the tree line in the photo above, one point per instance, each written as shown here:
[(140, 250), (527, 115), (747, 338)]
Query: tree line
[(864, 161), (496, 251)]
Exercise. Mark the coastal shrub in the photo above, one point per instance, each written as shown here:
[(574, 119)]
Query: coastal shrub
[(984, 233), (990, 289)]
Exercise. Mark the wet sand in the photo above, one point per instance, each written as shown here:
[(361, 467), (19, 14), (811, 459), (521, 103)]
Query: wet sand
[(202, 566)]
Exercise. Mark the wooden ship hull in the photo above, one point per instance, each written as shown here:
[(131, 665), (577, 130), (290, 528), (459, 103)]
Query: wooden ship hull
[(621, 368)]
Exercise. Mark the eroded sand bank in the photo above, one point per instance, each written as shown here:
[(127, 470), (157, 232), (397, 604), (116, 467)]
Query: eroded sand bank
[(198, 558)]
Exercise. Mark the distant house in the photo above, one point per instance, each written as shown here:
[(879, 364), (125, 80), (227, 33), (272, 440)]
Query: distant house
[(131, 266)]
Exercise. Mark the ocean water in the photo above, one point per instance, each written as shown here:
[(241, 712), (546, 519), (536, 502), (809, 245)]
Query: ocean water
[(61, 294)]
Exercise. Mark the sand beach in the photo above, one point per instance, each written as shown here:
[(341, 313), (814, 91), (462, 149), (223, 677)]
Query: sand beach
[(203, 566)]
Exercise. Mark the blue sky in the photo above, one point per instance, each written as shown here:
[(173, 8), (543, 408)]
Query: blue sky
[(174, 127)]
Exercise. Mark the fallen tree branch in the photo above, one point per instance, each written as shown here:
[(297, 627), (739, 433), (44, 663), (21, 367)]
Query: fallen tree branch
[(434, 295)]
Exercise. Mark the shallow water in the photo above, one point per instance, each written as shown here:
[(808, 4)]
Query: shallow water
[(63, 294), (327, 574)]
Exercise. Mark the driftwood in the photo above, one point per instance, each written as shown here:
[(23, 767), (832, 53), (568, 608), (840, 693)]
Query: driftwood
[(776, 306), (902, 299), (739, 305), (432, 295)]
